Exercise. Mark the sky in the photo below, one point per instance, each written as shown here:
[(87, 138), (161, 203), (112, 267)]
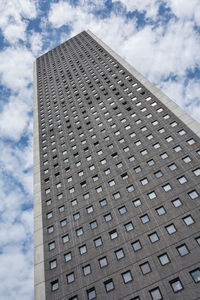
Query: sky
[(161, 39)]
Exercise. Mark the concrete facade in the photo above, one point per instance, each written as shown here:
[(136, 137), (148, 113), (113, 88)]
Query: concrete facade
[(116, 181)]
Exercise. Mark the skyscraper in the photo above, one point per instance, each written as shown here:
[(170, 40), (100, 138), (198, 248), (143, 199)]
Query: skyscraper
[(116, 181)]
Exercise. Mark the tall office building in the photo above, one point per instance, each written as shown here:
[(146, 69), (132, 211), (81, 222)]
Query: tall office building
[(116, 191)]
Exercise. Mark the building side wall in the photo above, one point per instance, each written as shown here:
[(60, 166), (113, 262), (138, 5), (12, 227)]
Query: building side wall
[(39, 276), (104, 137)]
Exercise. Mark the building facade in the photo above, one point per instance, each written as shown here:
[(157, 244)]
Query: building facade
[(116, 181)]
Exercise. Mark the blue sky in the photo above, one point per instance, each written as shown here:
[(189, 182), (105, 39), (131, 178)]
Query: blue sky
[(160, 39)]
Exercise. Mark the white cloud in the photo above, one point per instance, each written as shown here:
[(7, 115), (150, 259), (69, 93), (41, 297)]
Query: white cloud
[(12, 13), (149, 7), (36, 43), (14, 118), (16, 67), (16, 274), (186, 10)]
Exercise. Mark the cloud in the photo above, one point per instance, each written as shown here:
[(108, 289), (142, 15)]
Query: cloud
[(186, 10), (13, 13), (149, 7), (16, 67), (14, 118), (36, 43)]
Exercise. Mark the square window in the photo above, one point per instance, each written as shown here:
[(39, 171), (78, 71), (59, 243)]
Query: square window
[(63, 223), (71, 190), (161, 130), (91, 293), (138, 143), (103, 262), (113, 234), (82, 249), (126, 149), (109, 285), (86, 196), (176, 202), (99, 189), (92, 167), (54, 285), (152, 195), (167, 187), (130, 188), (122, 210), (136, 246), (76, 216), (90, 209), (196, 172), (161, 211), (144, 181), (51, 246), (137, 169), (183, 250), (150, 137), (137, 202), (70, 277), (129, 226), (48, 202), (164, 259), (79, 231), (153, 237), (132, 134), (171, 229), (53, 264), (61, 208), (65, 238), (107, 171), (195, 275), (193, 194), (191, 142), (87, 270), (119, 165), (103, 202), (111, 183), (177, 148), (158, 174), (156, 146), (108, 217), (127, 277), (116, 195), (144, 152), (95, 178), (144, 219), (164, 155), (98, 242), (176, 285), (182, 179), (188, 220), (93, 224), (156, 294), (172, 167), (151, 162), (50, 215), (169, 139), (182, 132), (145, 268), (131, 158), (68, 256), (119, 253)]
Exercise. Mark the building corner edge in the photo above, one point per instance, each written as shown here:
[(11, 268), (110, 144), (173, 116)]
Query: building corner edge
[(39, 274)]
